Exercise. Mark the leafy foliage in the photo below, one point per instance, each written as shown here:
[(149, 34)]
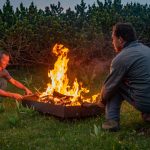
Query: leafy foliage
[(29, 34)]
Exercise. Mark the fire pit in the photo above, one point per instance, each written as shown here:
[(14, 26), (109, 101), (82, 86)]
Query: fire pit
[(61, 111), (61, 98)]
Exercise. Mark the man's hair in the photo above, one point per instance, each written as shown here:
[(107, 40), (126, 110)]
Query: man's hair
[(3, 53), (126, 31)]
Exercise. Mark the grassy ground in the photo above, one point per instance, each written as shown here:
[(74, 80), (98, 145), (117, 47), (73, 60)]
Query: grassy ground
[(22, 128)]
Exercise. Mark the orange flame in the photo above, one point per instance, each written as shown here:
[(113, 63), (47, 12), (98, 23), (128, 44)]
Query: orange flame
[(59, 79)]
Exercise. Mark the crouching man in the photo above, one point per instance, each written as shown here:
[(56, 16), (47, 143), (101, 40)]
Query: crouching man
[(129, 77), (5, 76)]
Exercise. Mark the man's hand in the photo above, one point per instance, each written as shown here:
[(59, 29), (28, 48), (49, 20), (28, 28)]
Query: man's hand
[(28, 92), (20, 85), (16, 96)]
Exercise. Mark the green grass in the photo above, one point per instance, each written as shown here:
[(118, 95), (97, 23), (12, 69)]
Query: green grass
[(23, 129)]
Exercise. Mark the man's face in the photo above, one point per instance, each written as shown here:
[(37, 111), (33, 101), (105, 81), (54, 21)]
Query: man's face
[(4, 61), (117, 43)]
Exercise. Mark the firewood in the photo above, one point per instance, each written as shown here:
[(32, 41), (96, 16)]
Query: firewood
[(31, 97), (57, 94)]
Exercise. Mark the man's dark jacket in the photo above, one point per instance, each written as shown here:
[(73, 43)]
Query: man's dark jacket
[(130, 67)]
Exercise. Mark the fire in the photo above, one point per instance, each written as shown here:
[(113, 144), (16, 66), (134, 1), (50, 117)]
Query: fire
[(60, 82)]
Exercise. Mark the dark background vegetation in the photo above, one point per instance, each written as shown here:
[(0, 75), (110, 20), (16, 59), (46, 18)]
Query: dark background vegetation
[(29, 33)]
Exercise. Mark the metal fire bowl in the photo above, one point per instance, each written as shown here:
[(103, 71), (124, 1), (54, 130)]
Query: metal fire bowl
[(64, 112)]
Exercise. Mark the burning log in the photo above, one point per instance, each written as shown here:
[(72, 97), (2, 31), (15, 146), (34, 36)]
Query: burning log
[(33, 97), (56, 94), (60, 99), (56, 98)]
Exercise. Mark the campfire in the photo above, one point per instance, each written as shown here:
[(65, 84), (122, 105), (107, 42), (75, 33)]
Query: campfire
[(60, 97), (58, 90)]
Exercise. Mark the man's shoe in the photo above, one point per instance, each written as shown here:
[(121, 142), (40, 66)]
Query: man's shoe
[(111, 125), (146, 117)]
